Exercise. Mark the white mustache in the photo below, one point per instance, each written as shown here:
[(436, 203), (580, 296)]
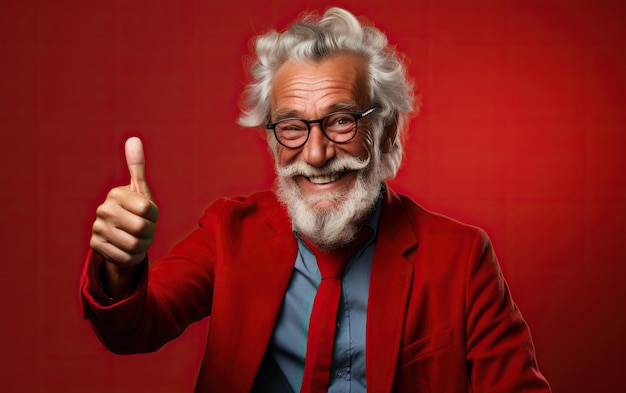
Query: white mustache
[(301, 168)]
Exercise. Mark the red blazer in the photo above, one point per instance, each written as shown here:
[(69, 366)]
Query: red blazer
[(440, 317)]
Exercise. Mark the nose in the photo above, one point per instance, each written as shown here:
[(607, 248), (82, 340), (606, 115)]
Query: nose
[(318, 149)]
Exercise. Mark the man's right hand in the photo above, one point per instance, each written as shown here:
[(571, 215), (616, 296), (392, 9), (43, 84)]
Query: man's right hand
[(126, 221)]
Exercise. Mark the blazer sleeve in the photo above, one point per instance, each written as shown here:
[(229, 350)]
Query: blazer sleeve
[(169, 296), (500, 352)]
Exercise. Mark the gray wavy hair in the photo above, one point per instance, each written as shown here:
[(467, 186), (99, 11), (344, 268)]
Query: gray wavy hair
[(314, 38)]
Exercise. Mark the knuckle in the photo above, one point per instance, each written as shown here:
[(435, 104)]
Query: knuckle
[(133, 244), (143, 206), (96, 228), (94, 242), (116, 193), (107, 210), (101, 228), (136, 226), (120, 257), (123, 258), (102, 210)]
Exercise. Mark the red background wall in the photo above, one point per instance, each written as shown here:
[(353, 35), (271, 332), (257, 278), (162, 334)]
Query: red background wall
[(523, 132)]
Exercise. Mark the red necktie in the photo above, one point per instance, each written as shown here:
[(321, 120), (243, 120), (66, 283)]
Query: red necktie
[(321, 335)]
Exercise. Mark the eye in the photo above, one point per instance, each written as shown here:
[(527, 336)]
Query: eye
[(340, 122), (343, 120), (291, 126)]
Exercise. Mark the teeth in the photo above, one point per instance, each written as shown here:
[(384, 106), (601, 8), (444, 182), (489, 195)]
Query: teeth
[(324, 179)]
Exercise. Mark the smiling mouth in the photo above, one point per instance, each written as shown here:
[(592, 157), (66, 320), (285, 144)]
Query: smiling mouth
[(325, 179)]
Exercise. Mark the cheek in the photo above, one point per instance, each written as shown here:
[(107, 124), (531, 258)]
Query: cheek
[(361, 146), (284, 156)]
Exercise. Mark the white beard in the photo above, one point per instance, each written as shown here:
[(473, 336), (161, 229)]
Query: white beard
[(337, 225)]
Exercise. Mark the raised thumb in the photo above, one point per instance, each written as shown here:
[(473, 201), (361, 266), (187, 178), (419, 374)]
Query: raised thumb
[(136, 166)]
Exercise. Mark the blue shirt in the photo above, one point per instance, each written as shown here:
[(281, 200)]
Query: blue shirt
[(289, 338)]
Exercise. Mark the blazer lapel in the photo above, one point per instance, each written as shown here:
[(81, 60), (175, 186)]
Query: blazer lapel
[(390, 283), (264, 265)]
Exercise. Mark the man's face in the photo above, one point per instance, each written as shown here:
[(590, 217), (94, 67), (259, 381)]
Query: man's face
[(311, 91), (327, 186)]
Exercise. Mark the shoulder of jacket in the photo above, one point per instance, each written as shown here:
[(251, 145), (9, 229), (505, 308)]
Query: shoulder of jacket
[(430, 223), (260, 205)]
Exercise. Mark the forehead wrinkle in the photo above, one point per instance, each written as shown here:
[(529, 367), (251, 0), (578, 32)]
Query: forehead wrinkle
[(302, 89), (285, 113), (327, 99), (343, 106), (316, 89)]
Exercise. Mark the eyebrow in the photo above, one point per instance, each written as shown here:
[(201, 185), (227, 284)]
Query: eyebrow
[(281, 114)]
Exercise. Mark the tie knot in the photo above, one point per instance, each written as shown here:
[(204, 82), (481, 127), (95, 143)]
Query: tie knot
[(332, 263)]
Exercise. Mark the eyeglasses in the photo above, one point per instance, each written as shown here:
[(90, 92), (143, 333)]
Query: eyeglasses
[(338, 127)]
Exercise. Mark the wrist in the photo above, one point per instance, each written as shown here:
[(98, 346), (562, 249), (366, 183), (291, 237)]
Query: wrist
[(119, 280)]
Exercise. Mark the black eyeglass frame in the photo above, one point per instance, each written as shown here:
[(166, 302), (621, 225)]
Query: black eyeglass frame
[(357, 116)]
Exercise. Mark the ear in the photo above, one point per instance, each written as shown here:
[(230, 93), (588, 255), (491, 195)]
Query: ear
[(389, 137)]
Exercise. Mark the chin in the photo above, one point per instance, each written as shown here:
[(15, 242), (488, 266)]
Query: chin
[(330, 216), (329, 219), (324, 206), (325, 201)]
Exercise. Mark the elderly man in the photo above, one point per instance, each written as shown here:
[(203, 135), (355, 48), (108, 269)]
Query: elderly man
[(330, 282)]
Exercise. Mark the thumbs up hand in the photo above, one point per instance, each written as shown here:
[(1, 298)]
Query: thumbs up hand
[(126, 221)]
